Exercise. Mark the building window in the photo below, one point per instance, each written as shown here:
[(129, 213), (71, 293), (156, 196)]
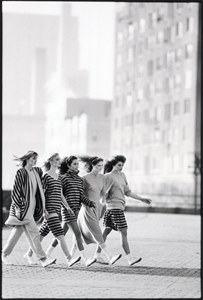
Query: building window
[(170, 58), (167, 34), (146, 116), (119, 38), (175, 135), (130, 30), (171, 84), (188, 50), (159, 63), (151, 41), (179, 29), (185, 133), (140, 49), (190, 24), (140, 94), (167, 112), (158, 86), (170, 9), (129, 100), (142, 25), (160, 37), (160, 14), (186, 106), (157, 114), (188, 79), (157, 136), (178, 54), (176, 108), (177, 81), (150, 65), (117, 102), (151, 88), (150, 20), (130, 54), (140, 69)]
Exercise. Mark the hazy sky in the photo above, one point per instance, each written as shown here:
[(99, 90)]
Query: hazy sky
[(96, 38)]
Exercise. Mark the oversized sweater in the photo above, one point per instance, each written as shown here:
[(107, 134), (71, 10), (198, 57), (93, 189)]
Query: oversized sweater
[(20, 194), (119, 188)]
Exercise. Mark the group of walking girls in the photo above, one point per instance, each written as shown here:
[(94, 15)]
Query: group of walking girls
[(80, 202)]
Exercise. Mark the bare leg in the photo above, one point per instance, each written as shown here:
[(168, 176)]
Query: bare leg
[(105, 233), (65, 228), (124, 241)]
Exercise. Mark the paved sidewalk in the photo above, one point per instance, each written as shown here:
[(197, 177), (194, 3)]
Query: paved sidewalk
[(169, 245)]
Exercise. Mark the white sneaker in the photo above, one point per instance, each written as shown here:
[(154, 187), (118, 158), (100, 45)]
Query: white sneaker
[(5, 259), (133, 261), (114, 258), (73, 261), (90, 261), (29, 258), (48, 261), (100, 260)]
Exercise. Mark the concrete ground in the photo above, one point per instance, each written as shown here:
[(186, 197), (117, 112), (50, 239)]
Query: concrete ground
[(169, 245)]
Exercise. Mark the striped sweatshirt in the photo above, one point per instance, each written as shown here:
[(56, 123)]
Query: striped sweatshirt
[(52, 193), (73, 191)]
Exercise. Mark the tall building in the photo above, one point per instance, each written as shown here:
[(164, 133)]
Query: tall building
[(84, 128), (40, 62), (156, 108)]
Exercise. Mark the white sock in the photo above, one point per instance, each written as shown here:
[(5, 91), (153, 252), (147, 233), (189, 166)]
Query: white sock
[(129, 256), (83, 254), (97, 255), (49, 250), (106, 252)]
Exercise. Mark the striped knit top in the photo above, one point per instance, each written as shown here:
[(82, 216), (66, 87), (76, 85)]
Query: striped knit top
[(72, 187), (52, 190)]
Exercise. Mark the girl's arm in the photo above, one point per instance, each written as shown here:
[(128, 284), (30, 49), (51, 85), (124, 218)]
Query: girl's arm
[(65, 203), (134, 196)]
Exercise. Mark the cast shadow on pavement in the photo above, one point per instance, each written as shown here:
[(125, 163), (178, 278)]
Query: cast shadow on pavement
[(141, 270)]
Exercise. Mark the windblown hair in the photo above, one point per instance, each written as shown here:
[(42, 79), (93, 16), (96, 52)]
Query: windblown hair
[(90, 161), (111, 163), (65, 163), (23, 159), (47, 163)]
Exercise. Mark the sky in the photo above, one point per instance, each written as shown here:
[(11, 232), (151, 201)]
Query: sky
[(96, 38)]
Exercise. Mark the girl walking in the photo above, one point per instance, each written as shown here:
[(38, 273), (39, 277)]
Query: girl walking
[(53, 199), (27, 208), (72, 188), (88, 218), (114, 217)]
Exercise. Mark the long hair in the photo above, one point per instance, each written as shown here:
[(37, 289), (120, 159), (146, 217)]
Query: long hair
[(47, 163), (23, 159), (65, 163), (111, 163), (90, 161)]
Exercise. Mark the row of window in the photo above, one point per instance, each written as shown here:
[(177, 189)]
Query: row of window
[(154, 115), (168, 34), (167, 60)]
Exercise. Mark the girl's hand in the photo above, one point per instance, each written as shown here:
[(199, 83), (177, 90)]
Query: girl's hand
[(92, 204), (70, 210), (45, 214), (146, 200), (18, 213)]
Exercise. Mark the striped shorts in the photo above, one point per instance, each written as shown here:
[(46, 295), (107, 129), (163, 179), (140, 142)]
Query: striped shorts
[(53, 224), (67, 216), (115, 219)]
